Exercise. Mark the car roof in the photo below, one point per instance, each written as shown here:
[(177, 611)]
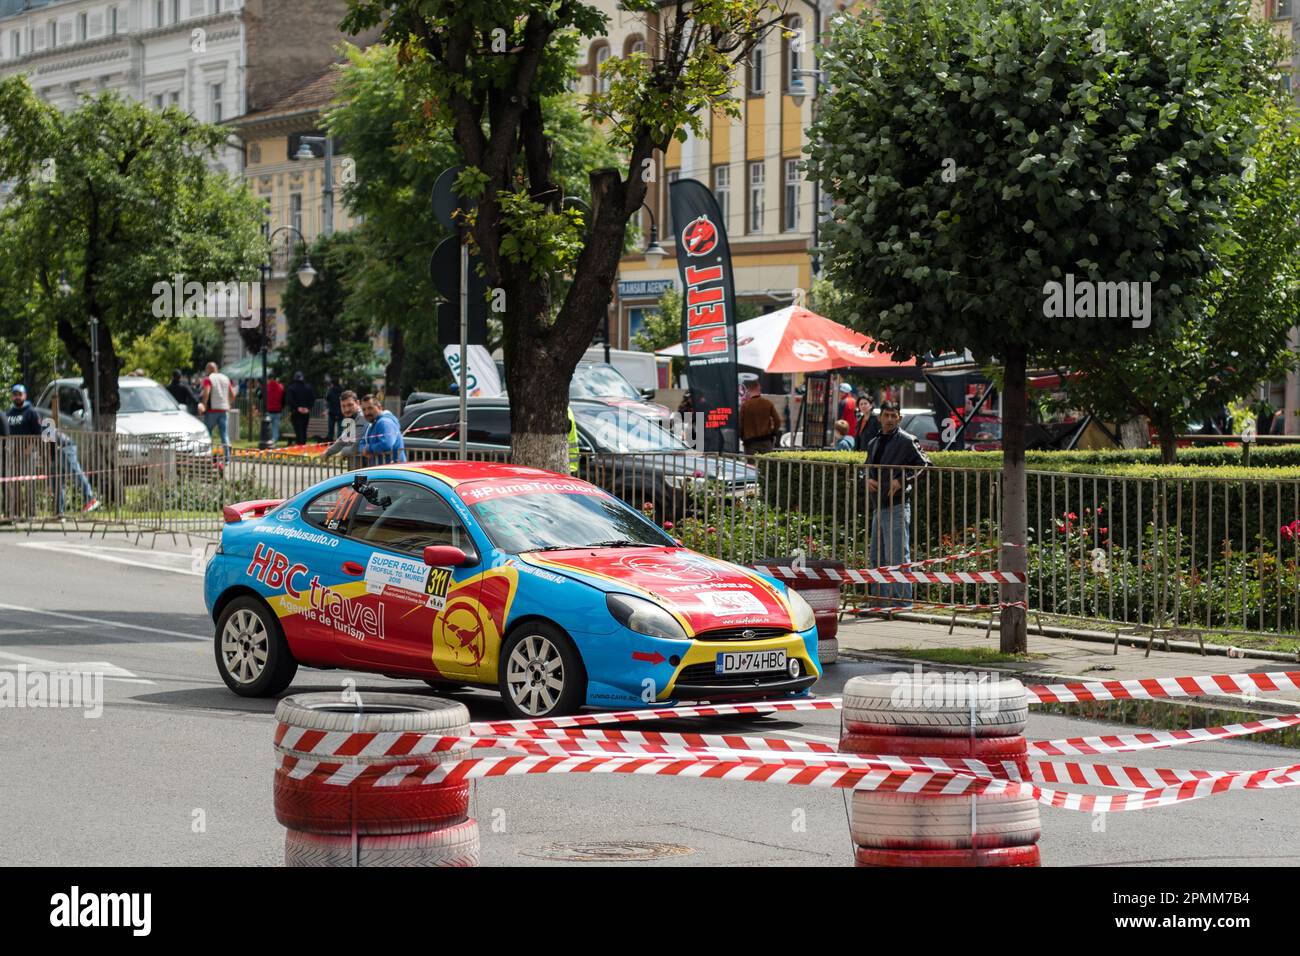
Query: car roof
[(451, 401), (124, 381), (454, 473)]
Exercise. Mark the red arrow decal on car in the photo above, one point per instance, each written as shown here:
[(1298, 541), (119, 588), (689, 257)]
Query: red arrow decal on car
[(655, 658)]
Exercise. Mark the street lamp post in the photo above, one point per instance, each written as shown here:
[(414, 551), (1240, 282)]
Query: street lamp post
[(653, 253), (306, 276), (797, 93)]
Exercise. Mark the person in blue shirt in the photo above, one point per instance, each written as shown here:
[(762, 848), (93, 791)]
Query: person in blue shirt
[(382, 443)]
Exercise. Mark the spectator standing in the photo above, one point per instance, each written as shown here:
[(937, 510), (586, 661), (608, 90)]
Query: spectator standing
[(892, 464), (351, 428), (848, 407), (300, 397), (382, 442), (868, 424), (181, 391), (65, 464), (760, 425), (215, 401), (273, 401), (333, 408), (22, 421), (21, 416)]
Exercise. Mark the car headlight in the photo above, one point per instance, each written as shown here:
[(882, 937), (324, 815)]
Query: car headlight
[(802, 616), (685, 482), (644, 617)]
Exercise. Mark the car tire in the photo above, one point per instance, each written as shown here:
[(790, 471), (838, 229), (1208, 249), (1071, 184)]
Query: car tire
[(453, 846), (875, 705), (923, 821), (246, 627), (525, 665)]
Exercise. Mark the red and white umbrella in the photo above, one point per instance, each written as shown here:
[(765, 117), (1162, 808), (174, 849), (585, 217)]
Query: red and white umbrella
[(794, 339)]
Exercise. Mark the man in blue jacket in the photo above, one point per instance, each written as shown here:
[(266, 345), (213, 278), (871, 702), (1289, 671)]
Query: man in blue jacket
[(382, 443)]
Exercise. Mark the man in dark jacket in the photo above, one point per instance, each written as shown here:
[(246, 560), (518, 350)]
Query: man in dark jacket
[(893, 461), (181, 391), (299, 397)]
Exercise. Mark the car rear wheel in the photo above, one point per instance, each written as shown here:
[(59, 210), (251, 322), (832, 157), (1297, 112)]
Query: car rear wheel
[(541, 674), (253, 657)]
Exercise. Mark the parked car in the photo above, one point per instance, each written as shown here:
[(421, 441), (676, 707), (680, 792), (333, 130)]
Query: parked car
[(604, 383), (634, 457), (983, 433), (145, 410)]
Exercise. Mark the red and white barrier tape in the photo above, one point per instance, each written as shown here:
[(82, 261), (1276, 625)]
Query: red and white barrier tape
[(1160, 687), (863, 609), (1156, 739), (886, 576), (656, 713)]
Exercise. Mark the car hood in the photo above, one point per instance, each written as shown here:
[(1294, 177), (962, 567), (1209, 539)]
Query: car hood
[(703, 593), (159, 423)]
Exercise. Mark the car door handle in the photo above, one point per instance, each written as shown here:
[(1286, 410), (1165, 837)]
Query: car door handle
[(352, 568)]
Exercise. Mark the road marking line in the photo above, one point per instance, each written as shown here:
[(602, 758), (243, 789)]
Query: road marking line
[(104, 668), (98, 620), (100, 555)]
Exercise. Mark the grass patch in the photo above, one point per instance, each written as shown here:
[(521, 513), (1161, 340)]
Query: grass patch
[(1287, 644), (959, 655)]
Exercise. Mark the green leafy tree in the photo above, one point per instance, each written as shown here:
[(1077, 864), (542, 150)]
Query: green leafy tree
[(163, 348), (324, 338), (488, 75), (400, 145), (205, 343), (115, 197), (982, 149), (1248, 306)]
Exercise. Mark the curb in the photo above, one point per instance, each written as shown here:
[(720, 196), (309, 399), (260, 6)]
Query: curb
[(1098, 637), (1267, 708)]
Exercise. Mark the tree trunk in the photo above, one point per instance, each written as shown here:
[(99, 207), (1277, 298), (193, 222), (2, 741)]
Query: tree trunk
[(1135, 433), (1168, 445), (1012, 637)]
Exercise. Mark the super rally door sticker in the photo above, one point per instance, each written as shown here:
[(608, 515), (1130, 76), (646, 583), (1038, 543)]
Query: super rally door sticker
[(313, 600), (391, 576)]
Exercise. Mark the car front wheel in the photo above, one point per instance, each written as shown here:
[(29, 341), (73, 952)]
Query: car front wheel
[(253, 657), (541, 672)]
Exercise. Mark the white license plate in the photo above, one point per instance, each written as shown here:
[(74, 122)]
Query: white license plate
[(749, 662)]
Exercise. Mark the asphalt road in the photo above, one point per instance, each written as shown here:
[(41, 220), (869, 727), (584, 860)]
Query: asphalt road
[(177, 770)]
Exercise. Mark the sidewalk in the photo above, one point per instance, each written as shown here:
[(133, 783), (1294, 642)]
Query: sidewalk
[(1053, 659)]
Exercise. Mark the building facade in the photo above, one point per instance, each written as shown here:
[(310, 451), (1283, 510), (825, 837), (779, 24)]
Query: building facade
[(752, 164)]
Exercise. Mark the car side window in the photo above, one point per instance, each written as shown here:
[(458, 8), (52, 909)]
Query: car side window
[(69, 400), (404, 517), (489, 426), (332, 510)]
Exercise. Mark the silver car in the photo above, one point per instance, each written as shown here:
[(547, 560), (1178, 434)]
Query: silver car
[(145, 410)]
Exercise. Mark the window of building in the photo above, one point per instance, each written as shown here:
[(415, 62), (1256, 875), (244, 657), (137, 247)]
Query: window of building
[(636, 47), (51, 33), (112, 20), (176, 11), (83, 25), (754, 80), (214, 95), (159, 13), (790, 208), (793, 51), (295, 210), (757, 179), (15, 44), (157, 101), (601, 79), (175, 98), (722, 190)]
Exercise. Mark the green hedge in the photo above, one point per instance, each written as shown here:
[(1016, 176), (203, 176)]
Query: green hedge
[(1263, 458)]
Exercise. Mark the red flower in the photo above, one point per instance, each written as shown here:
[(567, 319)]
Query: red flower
[(1102, 531), (668, 526), (711, 530), (1286, 531), (1073, 516)]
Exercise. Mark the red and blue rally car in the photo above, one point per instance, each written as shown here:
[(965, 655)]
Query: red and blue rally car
[(542, 585)]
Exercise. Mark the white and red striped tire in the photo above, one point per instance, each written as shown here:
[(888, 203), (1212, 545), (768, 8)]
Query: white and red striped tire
[(313, 806), (998, 856), (379, 713), (916, 821), (901, 705), (828, 651), (456, 846)]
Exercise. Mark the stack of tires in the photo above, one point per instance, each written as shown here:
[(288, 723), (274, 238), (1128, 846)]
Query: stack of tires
[(907, 716), (399, 822)]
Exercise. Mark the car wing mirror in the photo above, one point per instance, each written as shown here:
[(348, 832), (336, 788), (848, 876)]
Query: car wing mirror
[(445, 555)]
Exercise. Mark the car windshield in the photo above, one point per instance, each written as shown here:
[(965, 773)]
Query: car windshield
[(145, 398), (601, 381), (618, 430), (551, 520)]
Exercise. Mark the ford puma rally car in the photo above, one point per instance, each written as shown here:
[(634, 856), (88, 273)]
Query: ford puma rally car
[(541, 585)]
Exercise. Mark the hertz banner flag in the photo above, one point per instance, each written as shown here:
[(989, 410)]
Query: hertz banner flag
[(708, 311)]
